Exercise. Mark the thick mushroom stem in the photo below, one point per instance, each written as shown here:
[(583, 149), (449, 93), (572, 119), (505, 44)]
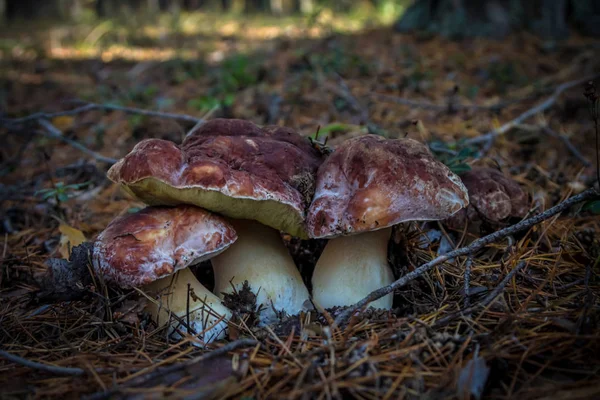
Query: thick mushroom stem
[(260, 257), (207, 315), (350, 268)]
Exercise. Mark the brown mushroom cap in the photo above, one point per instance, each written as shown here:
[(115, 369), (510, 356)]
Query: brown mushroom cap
[(232, 167), (370, 183), (493, 197), (137, 249)]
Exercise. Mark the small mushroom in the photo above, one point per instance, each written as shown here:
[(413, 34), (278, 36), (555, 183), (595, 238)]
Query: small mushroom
[(364, 188), (262, 179), (493, 197), (153, 249)]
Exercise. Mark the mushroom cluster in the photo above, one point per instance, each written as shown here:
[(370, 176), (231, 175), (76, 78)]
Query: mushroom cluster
[(230, 190), (257, 182)]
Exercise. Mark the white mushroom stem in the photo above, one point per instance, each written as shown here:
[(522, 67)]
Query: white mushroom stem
[(260, 257), (207, 315), (350, 268)]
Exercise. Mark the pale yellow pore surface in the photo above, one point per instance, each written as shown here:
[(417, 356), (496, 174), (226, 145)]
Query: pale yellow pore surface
[(208, 317), (350, 268), (260, 257), (272, 213)]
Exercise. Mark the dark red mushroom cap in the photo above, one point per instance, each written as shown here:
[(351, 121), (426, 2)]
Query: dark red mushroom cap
[(370, 183), (139, 248), (232, 167), (493, 196)]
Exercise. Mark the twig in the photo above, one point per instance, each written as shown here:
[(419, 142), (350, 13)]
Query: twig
[(411, 103), (105, 107), (463, 251), (203, 120), (489, 137), (53, 132), (344, 91), (594, 109), (570, 146), (43, 119), (427, 105), (485, 302), (41, 367), (589, 297), (564, 138), (468, 266), (173, 368)]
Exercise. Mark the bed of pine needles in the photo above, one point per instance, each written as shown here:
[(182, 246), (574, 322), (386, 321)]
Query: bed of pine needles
[(529, 326)]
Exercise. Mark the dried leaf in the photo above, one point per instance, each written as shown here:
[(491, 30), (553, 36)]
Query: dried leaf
[(472, 378), (70, 238), (63, 122), (129, 311)]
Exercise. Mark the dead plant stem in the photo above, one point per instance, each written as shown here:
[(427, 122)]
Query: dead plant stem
[(489, 138), (487, 301)]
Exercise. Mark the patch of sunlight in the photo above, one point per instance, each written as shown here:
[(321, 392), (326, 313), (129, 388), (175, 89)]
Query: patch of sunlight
[(127, 53), (177, 35)]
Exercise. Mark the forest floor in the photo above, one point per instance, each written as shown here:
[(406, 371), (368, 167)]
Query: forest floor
[(538, 338)]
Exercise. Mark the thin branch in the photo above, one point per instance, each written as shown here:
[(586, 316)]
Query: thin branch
[(408, 102), (427, 105), (570, 146), (468, 266), (589, 298), (106, 107), (41, 367), (489, 137), (203, 120), (467, 250), (55, 133), (563, 138), (231, 346), (594, 108), (43, 119), (485, 302), (344, 91)]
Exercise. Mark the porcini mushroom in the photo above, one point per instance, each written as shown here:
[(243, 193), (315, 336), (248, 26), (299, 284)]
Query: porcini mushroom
[(364, 188), (264, 176), (153, 249), (493, 197)]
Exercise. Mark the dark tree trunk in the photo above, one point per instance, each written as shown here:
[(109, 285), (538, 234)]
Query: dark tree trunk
[(256, 6), (192, 5), (27, 9), (496, 18)]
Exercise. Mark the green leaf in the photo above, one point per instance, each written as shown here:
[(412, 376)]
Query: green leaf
[(136, 120), (62, 196), (465, 153), (204, 103), (460, 168), (324, 131), (228, 99), (78, 186), (592, 206)]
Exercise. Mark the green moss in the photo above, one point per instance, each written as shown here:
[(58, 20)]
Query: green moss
[(268, 212)]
